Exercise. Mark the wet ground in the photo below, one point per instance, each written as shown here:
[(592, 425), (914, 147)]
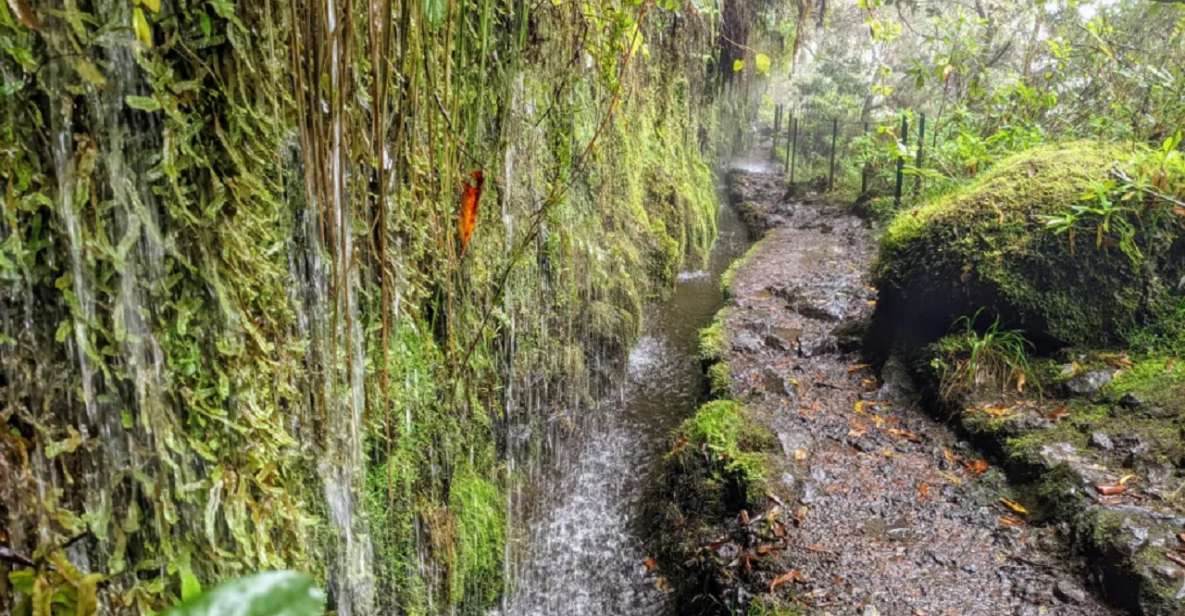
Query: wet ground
[(894, 514)]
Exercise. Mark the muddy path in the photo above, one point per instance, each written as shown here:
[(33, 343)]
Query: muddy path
[(894, 514)]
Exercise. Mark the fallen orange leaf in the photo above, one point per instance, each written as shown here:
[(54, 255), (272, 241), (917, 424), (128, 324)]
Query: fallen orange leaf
[(976, 467), (650, 563), (467, 218), (905, 434), (1111, 490), (1014, 506), (1008, 520), (923, 491), (792, 575), (997, 410), (1058, 413)]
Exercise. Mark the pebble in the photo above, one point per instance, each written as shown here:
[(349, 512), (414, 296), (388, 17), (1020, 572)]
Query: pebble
[(1099, 440), (1069, 592)]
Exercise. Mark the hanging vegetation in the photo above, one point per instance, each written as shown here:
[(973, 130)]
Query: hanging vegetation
[(271, 275)]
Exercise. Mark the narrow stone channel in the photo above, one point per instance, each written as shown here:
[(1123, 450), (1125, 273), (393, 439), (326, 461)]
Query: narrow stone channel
[(585, 554)]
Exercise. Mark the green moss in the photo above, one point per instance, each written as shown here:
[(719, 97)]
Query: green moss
[(730, 273), (764, 606), (713, 339), (738, 448), (480, 510), (991, 244)]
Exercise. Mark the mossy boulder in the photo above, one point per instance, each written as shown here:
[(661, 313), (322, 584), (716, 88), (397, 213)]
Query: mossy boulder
[(993, 245)]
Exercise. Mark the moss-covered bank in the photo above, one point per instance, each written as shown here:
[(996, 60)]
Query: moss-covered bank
[(1039, 306), (237, 331), (1049, 241)]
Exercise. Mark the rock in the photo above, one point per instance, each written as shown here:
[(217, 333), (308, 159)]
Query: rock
[(1134, 535), (1168, 572), (774, 383), (1130, 401), (746, 340), (969, 568), (849, 335), (1090, 383), (1099, 440), (1069, 592)]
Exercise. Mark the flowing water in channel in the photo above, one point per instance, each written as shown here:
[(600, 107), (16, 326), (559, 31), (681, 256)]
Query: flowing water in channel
[(585, 555)]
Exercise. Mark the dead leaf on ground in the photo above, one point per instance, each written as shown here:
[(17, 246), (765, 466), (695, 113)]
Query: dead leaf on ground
[(1119, 360), (1013, 505), (800, 455), (856, 429), (997, 410), (1059, 413), (976, 467), (650, 563), (854, 368), (949, 456), (663, 585), (1110, 490), (1175, 558), (923, 491), (793, 575), (912, 437), (1124, 480), (1007, 520)]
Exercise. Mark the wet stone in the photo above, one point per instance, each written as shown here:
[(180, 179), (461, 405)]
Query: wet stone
[(1090, 383), (1130, 401), (1069, 592), (1099, 440)]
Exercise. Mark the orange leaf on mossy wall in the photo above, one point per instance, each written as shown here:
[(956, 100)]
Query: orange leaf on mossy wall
[(467, 218)]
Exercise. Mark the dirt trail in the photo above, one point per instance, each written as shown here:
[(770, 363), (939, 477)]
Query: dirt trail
[(895, 515)]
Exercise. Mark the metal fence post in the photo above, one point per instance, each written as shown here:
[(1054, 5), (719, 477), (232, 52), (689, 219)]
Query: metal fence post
[(831, 172), (901, 162), (917, 185), (793, 150), (864, 169), (777, 129)]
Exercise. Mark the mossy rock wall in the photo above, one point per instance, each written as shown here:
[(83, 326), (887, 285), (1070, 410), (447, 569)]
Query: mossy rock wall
[(237, 331), (990, 245)]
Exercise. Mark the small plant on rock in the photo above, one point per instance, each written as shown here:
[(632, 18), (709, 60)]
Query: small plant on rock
[(996, 358)]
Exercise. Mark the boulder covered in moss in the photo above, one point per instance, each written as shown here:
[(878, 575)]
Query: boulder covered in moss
[(1047, 242)]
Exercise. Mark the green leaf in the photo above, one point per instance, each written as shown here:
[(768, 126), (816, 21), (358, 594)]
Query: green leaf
[(63, 331), (274, 593), (142, 103), (762, 63), (190, 585), (140, 25), (88, 71), (153, 5), (738, 66), (434, 11)]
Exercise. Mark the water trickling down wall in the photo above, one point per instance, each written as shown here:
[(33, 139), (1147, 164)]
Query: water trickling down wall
[(236, 330)]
